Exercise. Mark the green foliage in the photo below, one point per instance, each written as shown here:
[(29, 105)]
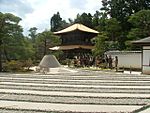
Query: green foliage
[(85, 19), (96, 17), (18, 65), (135, 34), (141, 19), (121, 10), (9, 25), (13, 66), (9, 29), (57, 23), (33, 33), (130, 46), (113, 29), (28, 50), (141, 25), (100, 44), (28, 63), (113, 45), (99, 21), (44, 41)]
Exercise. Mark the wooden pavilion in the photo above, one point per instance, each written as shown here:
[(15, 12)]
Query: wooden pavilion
[(75, 40), (145, 43)]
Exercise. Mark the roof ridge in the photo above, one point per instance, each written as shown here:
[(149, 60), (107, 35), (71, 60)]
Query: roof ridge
[(77, 26)]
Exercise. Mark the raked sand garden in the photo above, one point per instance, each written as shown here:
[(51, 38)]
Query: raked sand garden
[(76, 91)]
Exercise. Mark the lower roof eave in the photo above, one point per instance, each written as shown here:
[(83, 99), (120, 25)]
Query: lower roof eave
[(71, 47)]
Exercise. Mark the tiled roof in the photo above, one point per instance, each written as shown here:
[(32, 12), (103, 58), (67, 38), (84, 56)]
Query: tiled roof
[(77, 27), (144, 41)]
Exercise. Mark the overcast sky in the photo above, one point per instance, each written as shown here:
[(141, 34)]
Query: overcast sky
[(37, 13)]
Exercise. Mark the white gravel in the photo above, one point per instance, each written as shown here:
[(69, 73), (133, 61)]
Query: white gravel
[(66, 80), (68, 107), (87, 86), (74, 93)]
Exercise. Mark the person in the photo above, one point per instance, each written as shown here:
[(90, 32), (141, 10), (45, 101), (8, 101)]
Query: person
[(116, 63), (106, 61), (110, 62)]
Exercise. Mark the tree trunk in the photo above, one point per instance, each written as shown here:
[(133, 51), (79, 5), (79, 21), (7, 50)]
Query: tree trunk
[(0, 55), (45, 47), (6, 54)]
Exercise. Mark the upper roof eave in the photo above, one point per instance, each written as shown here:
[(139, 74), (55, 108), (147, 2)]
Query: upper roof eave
[(144, 41), (76, 27)]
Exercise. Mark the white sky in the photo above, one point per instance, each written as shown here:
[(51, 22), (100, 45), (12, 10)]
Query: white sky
[(37, 13)]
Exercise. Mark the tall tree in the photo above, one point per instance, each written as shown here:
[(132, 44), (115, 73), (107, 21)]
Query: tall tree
[(44, 41), (106, 7), (32, 39), (96, 18), (122, 10), (85, 19), (113, 29), (33, 33), (9, 26), (55, 22), (101, 44), (141, 25)]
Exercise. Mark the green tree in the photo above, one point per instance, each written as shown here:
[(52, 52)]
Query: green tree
[(33, 33), (85, 19), (44, 41), (141, 20), (101, 22), (71, 21), (32, 38), (106, 7), (141, 25), (17, 47), (113, 29), (9, 27), (64, 24), (100, 44), (95, 20), (122, 10), (55, 22), (28, 49)]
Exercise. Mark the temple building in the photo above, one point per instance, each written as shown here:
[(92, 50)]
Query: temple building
[(145, 43), (75, 40)]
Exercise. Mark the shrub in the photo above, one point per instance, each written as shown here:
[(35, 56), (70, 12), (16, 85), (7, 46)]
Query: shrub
[(27, 64), (18, 66), (13, 66)]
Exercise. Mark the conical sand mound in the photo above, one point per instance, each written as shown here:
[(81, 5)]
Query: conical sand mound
[(49, 61), (49, 64)]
